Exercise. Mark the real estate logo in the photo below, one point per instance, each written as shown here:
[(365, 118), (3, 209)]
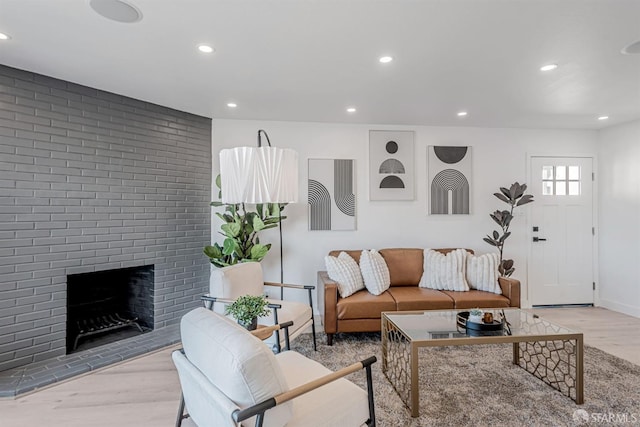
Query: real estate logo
[(582, 417)]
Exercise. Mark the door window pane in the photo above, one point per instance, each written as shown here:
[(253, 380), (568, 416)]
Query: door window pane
[(574, 188), (561, 180), (574, 172), (547, 172)]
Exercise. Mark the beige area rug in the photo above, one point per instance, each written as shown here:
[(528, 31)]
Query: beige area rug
[(479, 386)]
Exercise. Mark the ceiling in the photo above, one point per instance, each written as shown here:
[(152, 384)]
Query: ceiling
[(308, 60)]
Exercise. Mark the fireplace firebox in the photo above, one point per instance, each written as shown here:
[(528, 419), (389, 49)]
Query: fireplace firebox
[(105, 306)]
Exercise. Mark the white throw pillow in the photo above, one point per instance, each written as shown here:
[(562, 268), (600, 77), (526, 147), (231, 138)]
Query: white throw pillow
[(482, 272), (345, 271), (444, 272), (374, 272)]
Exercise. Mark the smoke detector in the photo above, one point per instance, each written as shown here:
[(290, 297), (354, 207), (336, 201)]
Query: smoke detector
[(116, 10)]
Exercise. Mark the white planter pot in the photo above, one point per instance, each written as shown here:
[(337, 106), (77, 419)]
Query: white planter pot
[(475, 319)]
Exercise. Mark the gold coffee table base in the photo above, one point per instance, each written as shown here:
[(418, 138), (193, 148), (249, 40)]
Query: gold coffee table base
[(554, 357)]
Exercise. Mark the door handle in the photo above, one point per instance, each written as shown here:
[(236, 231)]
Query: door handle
[(539, 239)]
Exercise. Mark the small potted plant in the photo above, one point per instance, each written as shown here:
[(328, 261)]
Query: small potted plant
[(475, 315), (247, 309)]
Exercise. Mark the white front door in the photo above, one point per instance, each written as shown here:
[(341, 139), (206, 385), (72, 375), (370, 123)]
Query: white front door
[(561, 261)]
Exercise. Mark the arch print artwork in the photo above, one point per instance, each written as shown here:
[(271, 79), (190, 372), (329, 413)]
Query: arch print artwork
[(449, 180), (331, 194), (391, 165)]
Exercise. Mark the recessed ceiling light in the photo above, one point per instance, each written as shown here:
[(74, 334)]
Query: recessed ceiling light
[(205, 48), (549, 67), (116, 10), (351, 110), (603, 118), (232, 105), (632, 49), (385, 59), (462, 113), (4, 36)]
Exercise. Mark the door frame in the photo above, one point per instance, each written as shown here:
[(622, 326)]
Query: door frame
[(594, 211)]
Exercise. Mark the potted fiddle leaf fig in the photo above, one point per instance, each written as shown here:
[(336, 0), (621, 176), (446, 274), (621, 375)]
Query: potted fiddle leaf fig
[(240, 229), (247, 309), (513, 196)]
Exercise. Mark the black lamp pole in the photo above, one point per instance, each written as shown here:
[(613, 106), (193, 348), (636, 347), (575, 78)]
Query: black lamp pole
[(263, 132)]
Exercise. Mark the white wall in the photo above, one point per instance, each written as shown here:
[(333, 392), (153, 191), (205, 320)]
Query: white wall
[(499, 159), (619, 221)]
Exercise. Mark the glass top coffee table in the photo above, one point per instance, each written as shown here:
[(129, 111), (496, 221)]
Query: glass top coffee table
[(550, 352)]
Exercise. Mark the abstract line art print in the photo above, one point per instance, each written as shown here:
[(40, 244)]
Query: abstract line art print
[(449, 179), (331, 194), (391, 165)]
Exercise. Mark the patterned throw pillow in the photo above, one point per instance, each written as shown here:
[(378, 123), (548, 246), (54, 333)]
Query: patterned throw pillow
[(346, 273), (445, 272), (482, 272), (374, 272)]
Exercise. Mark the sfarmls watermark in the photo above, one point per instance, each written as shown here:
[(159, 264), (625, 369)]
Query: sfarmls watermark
[(583, 417)]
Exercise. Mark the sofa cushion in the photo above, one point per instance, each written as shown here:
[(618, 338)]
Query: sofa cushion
[(363, 305), (482, 272), (445, 272), (405, 265), (415, 298), (477, 299), (346, 272), (355, 254), (375, 272)]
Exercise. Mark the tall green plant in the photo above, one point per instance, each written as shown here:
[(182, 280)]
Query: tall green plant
[(513, 196), (240, 229)]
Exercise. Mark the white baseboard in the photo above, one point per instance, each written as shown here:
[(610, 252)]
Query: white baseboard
[(622, 308)]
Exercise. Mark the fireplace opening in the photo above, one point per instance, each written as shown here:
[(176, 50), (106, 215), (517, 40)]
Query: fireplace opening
[(107, 306)]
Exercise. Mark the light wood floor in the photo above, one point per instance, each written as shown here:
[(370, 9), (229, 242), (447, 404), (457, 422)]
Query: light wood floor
[(145, 391), (613, 332)]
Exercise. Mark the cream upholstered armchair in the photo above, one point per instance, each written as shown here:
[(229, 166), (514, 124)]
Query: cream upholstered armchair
[(228, 377), (229, 283)]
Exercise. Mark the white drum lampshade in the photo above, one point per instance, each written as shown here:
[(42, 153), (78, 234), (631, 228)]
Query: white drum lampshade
[(259, 175)]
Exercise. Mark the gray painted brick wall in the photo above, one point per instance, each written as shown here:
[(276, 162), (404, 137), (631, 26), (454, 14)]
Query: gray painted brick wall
[(90, 181)]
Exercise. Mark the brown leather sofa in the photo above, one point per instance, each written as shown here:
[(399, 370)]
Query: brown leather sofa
[(361, 311)]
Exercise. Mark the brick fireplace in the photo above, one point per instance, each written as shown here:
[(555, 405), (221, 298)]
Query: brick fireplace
[(93, 181), (104, 306)]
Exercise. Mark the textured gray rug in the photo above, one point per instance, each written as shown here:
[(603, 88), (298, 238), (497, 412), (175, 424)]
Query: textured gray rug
[(454, 381)]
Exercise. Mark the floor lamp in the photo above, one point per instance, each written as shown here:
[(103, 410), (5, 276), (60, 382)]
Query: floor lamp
[(260, 175)]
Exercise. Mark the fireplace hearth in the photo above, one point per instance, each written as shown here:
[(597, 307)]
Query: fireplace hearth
[(108, 305)]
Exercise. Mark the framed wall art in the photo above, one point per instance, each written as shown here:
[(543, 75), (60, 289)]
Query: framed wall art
[(449, 179), (331, 194), (391, 165)]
